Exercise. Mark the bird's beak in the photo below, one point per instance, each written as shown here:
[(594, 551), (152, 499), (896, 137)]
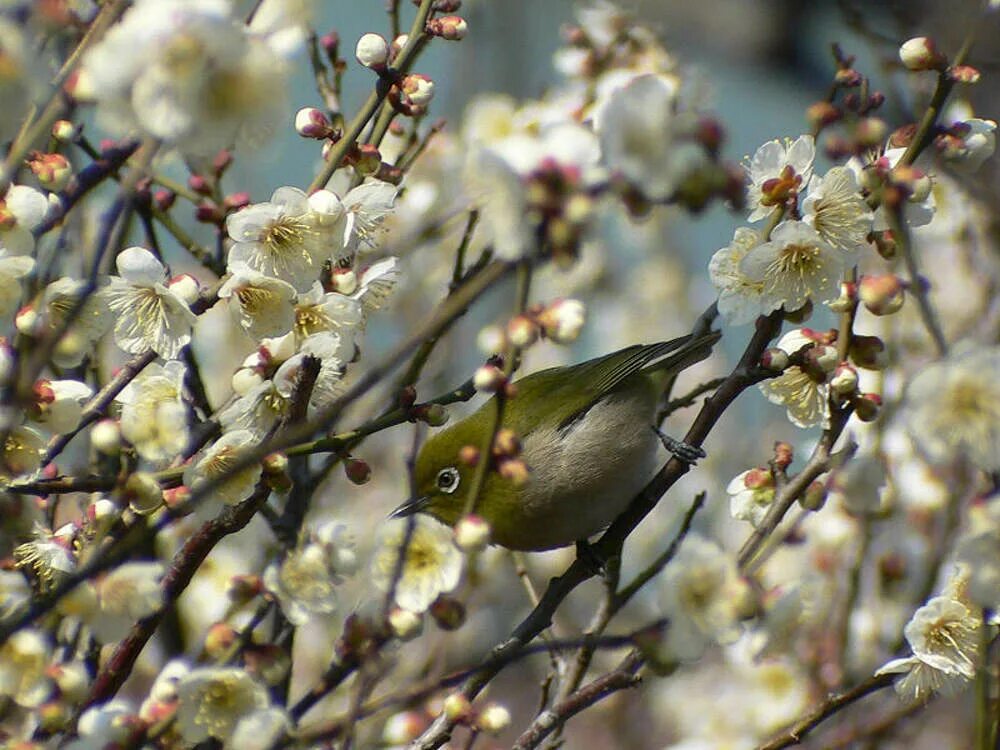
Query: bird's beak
[(411, 506)]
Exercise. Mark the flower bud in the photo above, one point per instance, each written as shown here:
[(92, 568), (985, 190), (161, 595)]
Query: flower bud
[(177, 497), (143, 493), (964, 74), (920, 53), (784, 455), (274, 463), (313, 123), (52, 170), (243, 589), (469, 455), (72, 680), (515, 471), (472, 533), (881, 295), (822, 114), (398, 43), (357, 471), (418, 89), (562, 320), (870, 131), (493, 719), (448, 613), (452, 28), (457, 707), (101, 509), (867, 406), (372, 51), (434, 415), (844, 380), (220, 637), (185, 286), (774, 359), (506, 443), (488, 378), (523, 331), (758, 478), (403, 728), (491, 340), (868, 352), (405, 625), (824, 357), (269, 663), (343, 281)]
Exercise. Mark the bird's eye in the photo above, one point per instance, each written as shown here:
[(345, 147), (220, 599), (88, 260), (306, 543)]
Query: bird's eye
[(447, 479)]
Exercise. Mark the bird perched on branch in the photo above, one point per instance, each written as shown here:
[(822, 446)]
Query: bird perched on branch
[(587, 435)]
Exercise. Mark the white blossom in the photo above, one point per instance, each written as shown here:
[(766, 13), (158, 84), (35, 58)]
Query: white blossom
[(21, 210), (125, 595), (953, 408), (262, 305), (154, 417), (305, 581), (377, 283), (148, 313), (259, 730), (281, 238), (186, 72), (108, 724), (835, 208), (49, 313), (740, 298), (432, 564), (216, 461), (62, 404), (213, 700), (24, 661), (750, 495), (788, 162), (328, 312), (794, 266)]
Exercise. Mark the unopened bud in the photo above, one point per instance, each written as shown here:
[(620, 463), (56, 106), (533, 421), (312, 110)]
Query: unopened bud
[(563, 320), (220, 637), (236, 201), (920, 53), (102, 509), (468, 455), (824, 357), (404, 727), (418, 89), (523, 331), (822, 114), (343, 281), (72, 680), (488, 378), (452, 28), (867, 406), (868, 352), (472, 533), (774, 359), (448, 613), (491, 340), (52, 170), (405, 625), (457, 707), (847, 77), (870, 131), (200, 184), (515, 471), (964, 74), (882, 294), (357, 471), (143, 493), (434, 415), (848, 297), (493, 719), (844, 380), (244, 588), (164, 199), (784, 454), (177, 498), (506, 443), (185, 286), (759, 478), (312, 123), (274, 463), (407, 396), (372, 51), (65, 131), (398, 43)]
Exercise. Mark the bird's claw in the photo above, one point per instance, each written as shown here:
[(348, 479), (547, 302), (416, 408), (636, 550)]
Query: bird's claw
[(685, 452)]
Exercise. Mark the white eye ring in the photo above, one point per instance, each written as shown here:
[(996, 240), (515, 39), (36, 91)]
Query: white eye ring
[(448, 480)]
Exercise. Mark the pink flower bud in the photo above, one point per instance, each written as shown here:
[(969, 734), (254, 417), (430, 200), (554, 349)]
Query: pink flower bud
[(774, 359), (758, 478), (200, 184), (418, 89), (164, 199), (506, 443), (784, 454), (562, 320), (523, 331), (488, 378), (844, 380), (312, 123), (405, 625), (920, 53), (457, 707), (963, 74), (185, 286), (822, 114), (883, 294), (469, 455), (452, 28), (870, 131), (515, 471), (372, 51), (448, 613), (357, 471), (65, 131), (52, 170), (343, 281), (867, 407)]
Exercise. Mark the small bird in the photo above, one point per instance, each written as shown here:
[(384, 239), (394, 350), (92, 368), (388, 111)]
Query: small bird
[(588, 437)]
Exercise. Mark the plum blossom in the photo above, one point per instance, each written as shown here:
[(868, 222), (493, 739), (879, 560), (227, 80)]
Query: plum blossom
[(149, 314), (794, 266), (21, 210), (740, 297), (835, 208), (188, 73), (804, 394), (213, 700), (24, 661), (124, 596), (261, 304), (154, 417), (328, 312), (216, 461), (777, 171), (49, 312), (432, 565)]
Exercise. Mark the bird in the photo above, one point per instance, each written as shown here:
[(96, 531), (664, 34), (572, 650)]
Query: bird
[(588, 437)]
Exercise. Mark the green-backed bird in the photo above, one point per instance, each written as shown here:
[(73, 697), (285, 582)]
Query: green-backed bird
[(587, 435)]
